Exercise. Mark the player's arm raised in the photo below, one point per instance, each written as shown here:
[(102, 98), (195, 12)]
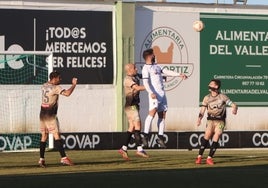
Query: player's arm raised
[(167, 72), (69, 91)]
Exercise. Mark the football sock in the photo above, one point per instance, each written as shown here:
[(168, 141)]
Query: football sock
[(161, 126), (204, 144), (42, 149), (213, 149), (145, 135), (124, 148), (147, 124), (137, 137), (161, 137), (128, 138), (59, 146), (139, 148)]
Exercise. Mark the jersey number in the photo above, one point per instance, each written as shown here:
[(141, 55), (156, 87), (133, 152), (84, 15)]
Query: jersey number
[(45, 97)]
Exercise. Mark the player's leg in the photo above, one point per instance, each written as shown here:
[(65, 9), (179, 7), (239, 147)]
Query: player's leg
[(205, 141), (42, 146), (54, 129), (153, 104), (162, 110), (137, 130), (137, 134), (218, 129), (138, 141), (123, 150), (129, 114), (161, 128), (44, 136)]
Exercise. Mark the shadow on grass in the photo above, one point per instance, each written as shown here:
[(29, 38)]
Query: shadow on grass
[(27, 165), (217, 177)]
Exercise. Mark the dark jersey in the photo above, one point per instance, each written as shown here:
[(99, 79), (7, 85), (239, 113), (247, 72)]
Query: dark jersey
[(132, 95)]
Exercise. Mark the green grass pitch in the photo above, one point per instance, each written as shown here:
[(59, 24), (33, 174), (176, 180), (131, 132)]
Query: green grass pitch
[(164, 168)]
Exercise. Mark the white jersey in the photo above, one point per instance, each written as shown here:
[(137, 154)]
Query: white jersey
[(153, 73)]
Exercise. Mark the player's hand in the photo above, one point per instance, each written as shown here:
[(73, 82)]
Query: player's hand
[(153, 96), (74, 81), (198, 122), (234, 111), (183, 76)]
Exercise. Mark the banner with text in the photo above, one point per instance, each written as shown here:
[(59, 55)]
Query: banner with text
[(82, 41), (115, 140), (173, 140), (233, 48)]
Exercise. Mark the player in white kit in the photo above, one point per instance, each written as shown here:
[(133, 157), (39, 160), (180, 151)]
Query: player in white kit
[(153, 81)]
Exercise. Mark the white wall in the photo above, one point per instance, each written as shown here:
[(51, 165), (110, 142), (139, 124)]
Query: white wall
[(89, 109)]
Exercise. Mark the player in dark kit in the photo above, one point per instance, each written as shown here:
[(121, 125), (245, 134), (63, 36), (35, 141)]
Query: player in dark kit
[(215, 104), (132, 89), (48, 115)]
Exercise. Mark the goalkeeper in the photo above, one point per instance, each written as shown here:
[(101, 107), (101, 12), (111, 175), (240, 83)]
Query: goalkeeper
[(48, 115), (215, 104)]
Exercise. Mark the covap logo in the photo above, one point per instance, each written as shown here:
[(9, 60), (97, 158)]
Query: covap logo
[(171, 53)]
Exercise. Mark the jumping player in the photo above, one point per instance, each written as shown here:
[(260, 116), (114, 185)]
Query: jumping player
[(48, 115), (215, 104), (132, 89), (153, 82)]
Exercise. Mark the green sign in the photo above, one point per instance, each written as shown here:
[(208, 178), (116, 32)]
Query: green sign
[(234, 49)]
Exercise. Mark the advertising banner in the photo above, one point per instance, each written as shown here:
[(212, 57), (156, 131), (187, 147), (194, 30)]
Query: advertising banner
[(229, 139), (233, 48), (115, 140), (82, 41), (173, 140), (13, 142), (81, 141)]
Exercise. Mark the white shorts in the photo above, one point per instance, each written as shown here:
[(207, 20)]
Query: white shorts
[(160, 103)]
